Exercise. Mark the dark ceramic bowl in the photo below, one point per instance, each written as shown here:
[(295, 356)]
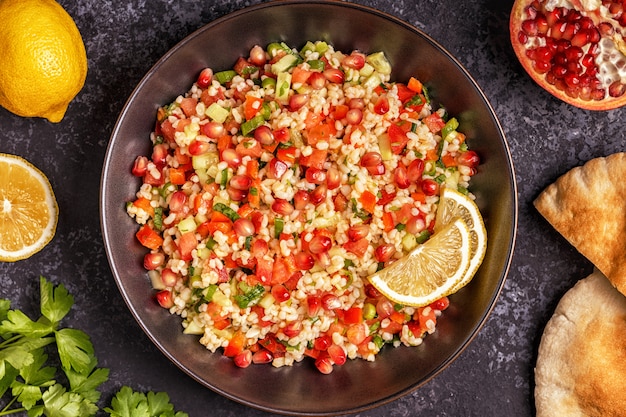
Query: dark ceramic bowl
[(301, 389)]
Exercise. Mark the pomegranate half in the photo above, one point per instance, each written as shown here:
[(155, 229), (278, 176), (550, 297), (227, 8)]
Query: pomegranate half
[(574, 49)]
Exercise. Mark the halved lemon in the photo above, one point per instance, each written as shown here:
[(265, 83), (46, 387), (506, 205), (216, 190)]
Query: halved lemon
[(430, 271), (453, 204), (28, 209)]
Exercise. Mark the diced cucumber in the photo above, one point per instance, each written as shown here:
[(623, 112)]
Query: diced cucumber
[(409, 242), (267, 301), (188, 224), (308, 46), (379, 61), (321, 47), (285, 63), (224, 77), (372, 81), (283, 86), (452, 181), (317, 64), (220, 298), (193, 328), (250, 126), (384, 144), (217, 113), (155, 280), (204, 161), (367, 70)]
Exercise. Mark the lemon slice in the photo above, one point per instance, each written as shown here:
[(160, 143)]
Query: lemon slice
[(453, 204), (430, 271), (28, 209)]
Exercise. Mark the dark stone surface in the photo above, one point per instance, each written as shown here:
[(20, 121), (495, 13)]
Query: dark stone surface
[(493, 377)]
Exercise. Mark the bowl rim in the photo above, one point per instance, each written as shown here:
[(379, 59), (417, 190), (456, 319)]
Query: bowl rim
[(340, 4)]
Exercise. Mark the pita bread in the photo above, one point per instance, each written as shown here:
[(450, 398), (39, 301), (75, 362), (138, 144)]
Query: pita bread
[(587, 205), (581, 364)]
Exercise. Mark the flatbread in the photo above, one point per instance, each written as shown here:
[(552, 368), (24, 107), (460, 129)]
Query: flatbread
[(581, 364), (587, 205)]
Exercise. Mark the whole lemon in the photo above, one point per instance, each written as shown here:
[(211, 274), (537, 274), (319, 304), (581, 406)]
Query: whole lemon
[(43, 63)]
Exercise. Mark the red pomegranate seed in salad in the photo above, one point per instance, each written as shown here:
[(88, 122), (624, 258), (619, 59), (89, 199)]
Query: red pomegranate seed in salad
[(240, 182), (262, 356), (293, 329), (140, 166), (169, 277), (244, 227), (236, 194), (382, 105), (469, 159), (301, 199), (282, 207), (213, 130), (384, 308), (355, 60), (324, 365), (164, 298), (356, 103), (416, 224), (371, 159), (205, 78), (334, 75), (159, 153), (198, 147), (264, 135), (153, 260), (304, 261), (320, 244), (297, 101), (243, 359), (318, 195), (322, 342), (330, 302), (415, 170), (276, 168), (178, 201), (430, 187), (401, 177), (259, 248), (317, 80), (333, 178), (314, 303), (336, 354), (280, 293), (231, 157), (377, 169), (354, 116), (358, 232), (315, 175), (383, 253), (257, 56)]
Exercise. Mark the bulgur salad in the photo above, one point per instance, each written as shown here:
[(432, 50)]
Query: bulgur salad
[(273, 191)]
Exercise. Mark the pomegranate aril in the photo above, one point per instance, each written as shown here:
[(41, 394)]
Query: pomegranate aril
[(358, 232), (322, 343), (205, 78), (337, 354), (529, 27), (384, 252), (377, 169), (235, 194), (315, 175), (140, 166), (401, 177), (276, 168), (240, 182), (320, 244), (264, 135), (297, 101), (159, 153), (164, 298), (304, 261), (293, 329), (330, 302), (231, 157), (152, 261), (324, 365), (213, 130), (282, 207), (371, 159), (262, 356), (244, 227), (317, 81), (617, 89), (243, 359), (198, 147), (178, 201), (318, 194), (334, 75), (313, 303), (301, 199), (333, 178)]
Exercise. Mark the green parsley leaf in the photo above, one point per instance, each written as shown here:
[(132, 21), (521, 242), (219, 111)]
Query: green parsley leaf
[(55, 301), (75, 350)]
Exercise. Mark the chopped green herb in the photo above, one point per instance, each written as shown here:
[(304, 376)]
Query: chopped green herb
[(253, 294), (226, 211)]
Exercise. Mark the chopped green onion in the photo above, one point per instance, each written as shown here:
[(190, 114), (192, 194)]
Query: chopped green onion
[(253, 294), (158, 218), (423, 236), (450, 126), (279, 224), (249, 126), (224, 77), (226, 211)]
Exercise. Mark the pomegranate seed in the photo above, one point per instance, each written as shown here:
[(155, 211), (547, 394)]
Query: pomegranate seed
[(384, 308), (315, 175), (542, 25), (313, 305), (337, 354), (384, 252), (198, 147), (430, 187), (304, 261), (382, 105), (333, 178), (301, 199), (541, 66), (559, 71), (441, 304), (543, 53), (377, 169), (262, 356), (152, 261), (205, 78), (416, 224), (340, 202), (354, 116), (293, 329), (280, 293), (164, 298), (330, 302), (140, 166), (355, 60), (617, 89), (257, 56), (297, 101), (356, 333), (324, 365), (159, 153), (178, 201), (264, 135), (323, 259), (259, 248), (529, 27), (213, 130), (553, 16), (243, 359), (415, 170), (572, 80), (334, 75), (231, 157), (580, 39), (317, 80), (401, 177), (276, 168), (240, 182), (322, 342), (320, 244), (235, 194), (588, 61), (282, 207), (318, 195), (371, 159), (371, 291), (358, 232), (244, 227)]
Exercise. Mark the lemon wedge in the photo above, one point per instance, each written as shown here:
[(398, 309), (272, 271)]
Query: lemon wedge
[(431, 270), (28, 209), (453, 204)]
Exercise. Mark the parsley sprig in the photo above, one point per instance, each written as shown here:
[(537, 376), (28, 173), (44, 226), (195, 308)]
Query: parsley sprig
[(30, 381)]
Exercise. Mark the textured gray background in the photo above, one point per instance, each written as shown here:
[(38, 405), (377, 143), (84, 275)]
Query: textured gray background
[(493, 377)]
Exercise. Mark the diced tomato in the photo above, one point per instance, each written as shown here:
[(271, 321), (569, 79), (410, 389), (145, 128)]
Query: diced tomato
[(368, 199), (358, 248), (353, 315), (388, 222), (270, 343), (252, 106), (339, 112), (252, 168), (320, 132), (224, 227), (287, 154), (188, 105), (281, 135), (386, 197), (186, 243), (434, 122), (415, 85), (312, 119), (177, 176), (245, 210), (316, 159), (404, 93), (155, 180), (300, 75), (167, 130), (441, 304), (243, 67), (235, 344), (280, 272), (249, 147), (260, 312), (427, 321), (398, 317), (254, 193), (144, 204), (149, 238), (397, 138), (264, 268), (448, 160)]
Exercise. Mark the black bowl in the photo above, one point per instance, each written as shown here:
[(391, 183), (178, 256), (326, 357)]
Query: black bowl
[(301, 389)]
